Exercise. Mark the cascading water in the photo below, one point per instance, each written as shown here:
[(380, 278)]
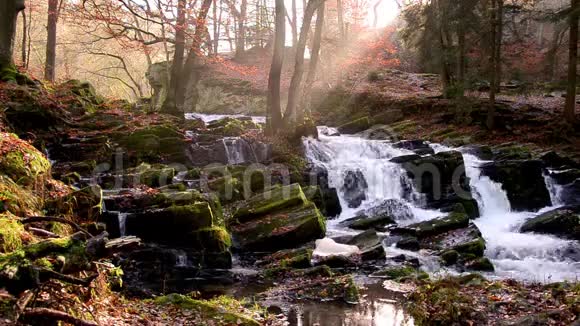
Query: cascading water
[(122, 223), (516, 255)]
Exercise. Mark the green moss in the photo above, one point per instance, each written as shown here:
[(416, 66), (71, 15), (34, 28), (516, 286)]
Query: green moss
[(355, 126), (271, 201), (215, 311), (17, 200), (351, 294), (453, 221), (199, 215), (481, 264), (397, 272), (23, 163), (449, 257), (10, 233), (475, 247), (214, 239)]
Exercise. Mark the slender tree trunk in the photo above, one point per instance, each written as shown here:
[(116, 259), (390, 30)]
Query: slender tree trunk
[(8, 12), (445, 69), (274, 79), (498, 45), (24, 38), (314, 58), (215, 28), (294, 91), (50, 63), (170, 105), (376, 13), (294, 25), (340, 14), (570, 108), (241, 31), (462, 65), (191, 73), (493, 62)]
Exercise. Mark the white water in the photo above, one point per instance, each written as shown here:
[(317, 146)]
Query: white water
[(213, 117), (530, 257), (122, 223)]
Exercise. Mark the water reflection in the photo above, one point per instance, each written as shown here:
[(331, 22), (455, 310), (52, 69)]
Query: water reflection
[(379, 308)]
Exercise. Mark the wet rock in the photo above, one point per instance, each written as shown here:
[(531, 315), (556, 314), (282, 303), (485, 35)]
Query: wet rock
[(480, 264), (554, 160), (326, 200), (405, 158), (442, 180), (318, 176), (435, 226), (330, 132), (354, 188), (362, 222), (449, 257), (409, 243), (87, 203), (419, 147), (565, 177), (571, 193), (511, 151), (563, 222), (355, 126), (523, 182), (272, 201), (280, 229), (483, 152), (290, 258), (370, 245)]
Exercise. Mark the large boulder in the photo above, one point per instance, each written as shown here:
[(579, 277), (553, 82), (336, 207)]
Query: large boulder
[(21, 162), (284, 229), (442, 180), (355, 126), (273, 200), (370, 245), (354, 188), (523, 181), (419, 147), (563, 222), (388, 212), (316, 175), (436, 226)]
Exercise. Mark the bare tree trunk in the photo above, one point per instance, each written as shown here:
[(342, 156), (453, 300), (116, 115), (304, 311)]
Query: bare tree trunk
[(376, 13), (314, 58), (493, 62), (24, 38), (570, 108), (8, 12), (241, 30), (294, 91), (215, 28), (340, 13), (50, 63), (170, 104), (274, 79), (445, 69), (499, 41), (190, 70), (462, 65), (294, 25)]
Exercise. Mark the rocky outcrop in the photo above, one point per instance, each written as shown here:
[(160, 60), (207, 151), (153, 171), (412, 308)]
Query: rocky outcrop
[(563, 222), (377, 217), (354, 188), (355, 126), (523, 182), (280, 218), (419, 147), (442, 180), (318, 176)]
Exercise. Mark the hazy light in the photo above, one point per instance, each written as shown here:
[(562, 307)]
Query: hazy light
[(387, 12)]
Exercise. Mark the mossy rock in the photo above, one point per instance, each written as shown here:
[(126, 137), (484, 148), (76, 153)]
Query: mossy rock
[(355, 126), (476, 248), (9, 74), (449, 257), (438, 225), (480, 264), (86, 204), (341, 288), (395, 272), (271, 201), (207, 311), (21, 162), (564, 222), (284, 229), (291, 258), (214, 239), (16, 199), (11, 232)]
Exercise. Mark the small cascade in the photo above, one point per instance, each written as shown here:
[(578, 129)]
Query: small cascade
[(214, 117), (237, 151), (523, 256), (555, 190), (181, 258), (122, 223)]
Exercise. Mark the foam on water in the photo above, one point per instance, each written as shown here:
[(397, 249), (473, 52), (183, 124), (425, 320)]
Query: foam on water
[(523, 256)]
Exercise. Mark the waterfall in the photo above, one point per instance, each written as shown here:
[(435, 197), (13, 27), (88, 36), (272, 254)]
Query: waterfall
[(523, 256), (122, 223), (236, 150), (555, 190), (180, 258)]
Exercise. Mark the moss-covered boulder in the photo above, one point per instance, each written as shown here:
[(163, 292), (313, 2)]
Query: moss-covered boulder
[(156, 144), (85, 204), (212, 312), (173, 225), (21, 162), (288, 259), (563, 222), (436, 226), (271, 201), (370, 245), (355, 126), (17, 200), (282, 229), (232, 127), (523, 181), (154, 176), (11, 233)]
